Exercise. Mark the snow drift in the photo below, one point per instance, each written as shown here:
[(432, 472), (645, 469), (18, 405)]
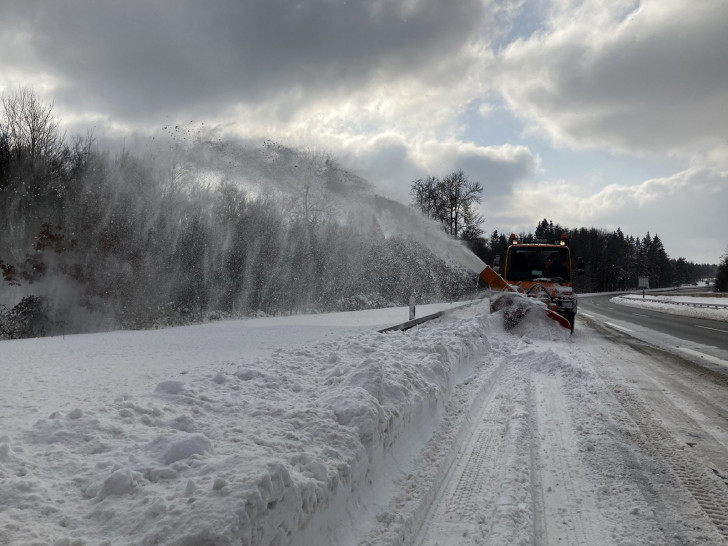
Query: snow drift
[(258, 451)]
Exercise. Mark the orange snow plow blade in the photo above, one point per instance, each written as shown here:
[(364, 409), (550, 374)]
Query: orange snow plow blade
[(495, 281), (558, 318)]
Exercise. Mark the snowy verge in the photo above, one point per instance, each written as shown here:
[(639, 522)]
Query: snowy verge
[(270, 451), (666, 304), (401, 523)]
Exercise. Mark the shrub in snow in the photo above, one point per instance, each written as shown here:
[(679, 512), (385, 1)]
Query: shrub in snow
[(29, 318)]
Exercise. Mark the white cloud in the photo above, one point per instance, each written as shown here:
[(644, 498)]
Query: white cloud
[(687, 210), (653, 79)]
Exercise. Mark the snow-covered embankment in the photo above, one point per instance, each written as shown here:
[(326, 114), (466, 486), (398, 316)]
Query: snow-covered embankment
[(712, 308), (289, 447)]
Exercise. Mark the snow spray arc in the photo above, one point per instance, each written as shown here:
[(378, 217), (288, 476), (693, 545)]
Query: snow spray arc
[(315, 186), (205, 228), (315, 193)]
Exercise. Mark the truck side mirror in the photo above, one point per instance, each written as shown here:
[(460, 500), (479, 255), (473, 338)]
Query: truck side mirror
[(496, 263), (580, 265)]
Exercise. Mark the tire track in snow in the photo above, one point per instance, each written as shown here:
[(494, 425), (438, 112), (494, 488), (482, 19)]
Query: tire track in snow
[(519, 478), (570, 515), (462, 511), (461, 508), (706, 488), (403, 522)]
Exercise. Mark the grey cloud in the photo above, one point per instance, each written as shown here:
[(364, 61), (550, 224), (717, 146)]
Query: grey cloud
[(498, 175), (690, 218), (498, 168), (140, 58), (652, 83), (392, 164)]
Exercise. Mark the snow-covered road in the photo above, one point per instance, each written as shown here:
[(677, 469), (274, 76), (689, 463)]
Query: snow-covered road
[(571, 446), (318, 430)]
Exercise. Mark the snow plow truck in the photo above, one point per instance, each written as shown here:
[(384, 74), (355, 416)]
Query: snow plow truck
[(536, 274)]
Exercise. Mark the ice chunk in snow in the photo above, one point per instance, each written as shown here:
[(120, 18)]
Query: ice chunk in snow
[(195, 444), (75, 414), (356, 407), (121, 482), (170, 387)]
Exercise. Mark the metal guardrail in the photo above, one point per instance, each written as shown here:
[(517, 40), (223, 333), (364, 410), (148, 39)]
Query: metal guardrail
[(690, 304), (411, 323), (415, 322)]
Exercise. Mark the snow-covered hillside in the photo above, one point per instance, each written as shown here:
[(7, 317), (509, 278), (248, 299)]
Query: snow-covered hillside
[(319, 430)]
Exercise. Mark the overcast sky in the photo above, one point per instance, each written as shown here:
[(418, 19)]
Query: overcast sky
[(586, 112)]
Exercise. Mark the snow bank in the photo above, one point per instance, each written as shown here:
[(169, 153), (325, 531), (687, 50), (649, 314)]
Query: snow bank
[(259, 451), (668, 304), (404, 519)]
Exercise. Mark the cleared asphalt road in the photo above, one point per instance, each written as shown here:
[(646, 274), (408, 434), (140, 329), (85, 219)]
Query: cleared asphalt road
[(697, 330)]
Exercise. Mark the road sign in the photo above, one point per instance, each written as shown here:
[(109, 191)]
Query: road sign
[(643, 282)]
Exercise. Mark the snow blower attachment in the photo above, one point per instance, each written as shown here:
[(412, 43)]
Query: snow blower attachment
[(536, 274)]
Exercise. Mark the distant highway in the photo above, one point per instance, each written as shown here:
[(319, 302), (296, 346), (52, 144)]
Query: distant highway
[(704, 331)]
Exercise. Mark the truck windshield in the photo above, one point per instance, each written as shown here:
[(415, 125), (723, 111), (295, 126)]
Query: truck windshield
[(533, 263)]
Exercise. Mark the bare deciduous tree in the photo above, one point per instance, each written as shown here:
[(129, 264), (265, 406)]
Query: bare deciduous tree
[(30, 128), (451, 200)]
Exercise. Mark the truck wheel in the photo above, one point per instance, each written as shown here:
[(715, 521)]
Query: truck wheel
[(571, 317)]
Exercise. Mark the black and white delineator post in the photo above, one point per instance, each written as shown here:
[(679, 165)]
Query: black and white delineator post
[(412, 308)]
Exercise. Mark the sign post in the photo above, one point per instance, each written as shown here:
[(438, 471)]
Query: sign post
[(643, 282)]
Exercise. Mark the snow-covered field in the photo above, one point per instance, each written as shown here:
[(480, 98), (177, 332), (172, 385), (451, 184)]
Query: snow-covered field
[(672, 305), (319, 430)]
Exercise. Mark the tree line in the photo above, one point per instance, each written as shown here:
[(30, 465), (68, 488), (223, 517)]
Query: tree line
[(614, 261), (93, 240)]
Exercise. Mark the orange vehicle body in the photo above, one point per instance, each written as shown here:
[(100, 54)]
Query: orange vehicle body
[(540, 270)]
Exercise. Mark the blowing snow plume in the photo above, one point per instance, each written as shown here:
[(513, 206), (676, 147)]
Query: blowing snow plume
[(197, 229), (342, 246), (318, 187)]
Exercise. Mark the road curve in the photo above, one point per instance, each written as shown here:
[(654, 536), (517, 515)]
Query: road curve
[(697, 330)]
